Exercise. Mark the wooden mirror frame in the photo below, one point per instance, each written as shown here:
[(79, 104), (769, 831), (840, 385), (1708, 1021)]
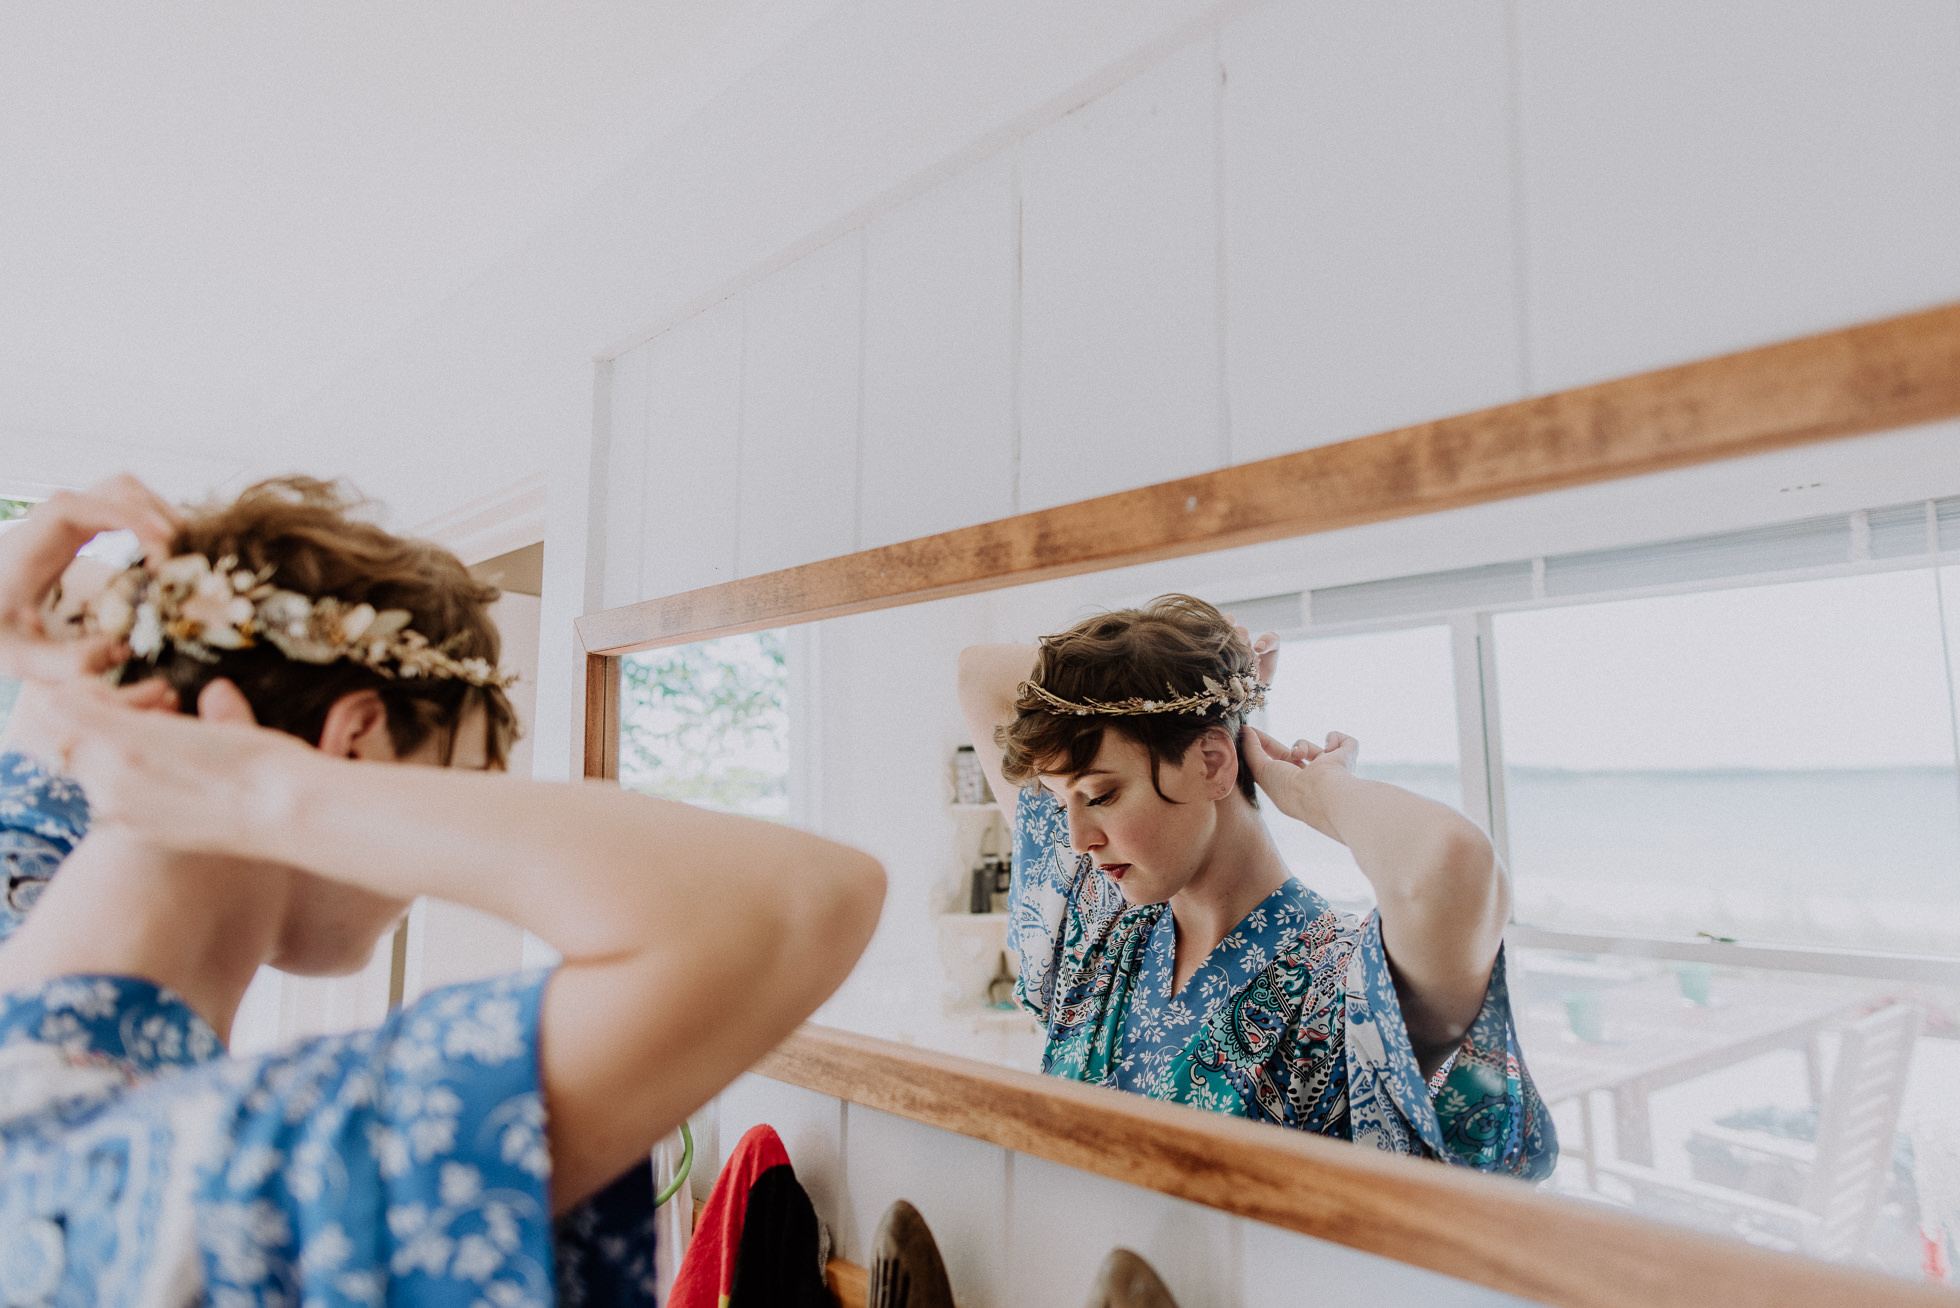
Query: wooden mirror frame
[(1488, 1230)]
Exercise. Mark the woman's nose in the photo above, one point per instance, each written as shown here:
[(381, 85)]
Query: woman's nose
[(1083, 835)]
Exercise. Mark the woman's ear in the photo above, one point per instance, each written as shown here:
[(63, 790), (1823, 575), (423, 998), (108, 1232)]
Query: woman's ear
[(1221, 756), (357, 727)]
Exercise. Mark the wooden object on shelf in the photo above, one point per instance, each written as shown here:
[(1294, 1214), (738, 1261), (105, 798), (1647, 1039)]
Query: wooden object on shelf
[(1491, 1230)]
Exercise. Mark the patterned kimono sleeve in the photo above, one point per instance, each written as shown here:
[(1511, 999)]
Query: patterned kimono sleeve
[(42, 818), (1047, 877), (406, 1164), (1481, 1110)]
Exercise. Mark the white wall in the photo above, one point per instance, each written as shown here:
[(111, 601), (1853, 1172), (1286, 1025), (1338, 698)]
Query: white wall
[(924, 267), (1021, 1232)]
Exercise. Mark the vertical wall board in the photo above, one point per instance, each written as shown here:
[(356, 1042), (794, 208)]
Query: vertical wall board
[(451, 943), (810, 1125), (1284, 1267), (1701, 177), (1371, 272), (939, 358), (958, 1185), (693, 451), (889, 711), (800, 411), (1119, 307), (1063, 1223), (626, 453)]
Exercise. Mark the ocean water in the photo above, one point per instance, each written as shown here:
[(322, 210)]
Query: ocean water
[(1863, 858)]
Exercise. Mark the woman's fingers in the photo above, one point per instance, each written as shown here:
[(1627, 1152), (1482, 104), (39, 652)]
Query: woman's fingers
[(223, 701), (34, 555)]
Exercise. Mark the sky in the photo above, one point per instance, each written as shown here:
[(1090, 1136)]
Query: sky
[(1844, 672)]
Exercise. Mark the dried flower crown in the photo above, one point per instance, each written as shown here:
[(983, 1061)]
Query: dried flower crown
[(201, 607), (1235, 695)]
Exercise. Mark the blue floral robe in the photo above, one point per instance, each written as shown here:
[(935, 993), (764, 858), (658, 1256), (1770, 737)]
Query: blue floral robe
[(140, 1165), (1293, 1019)]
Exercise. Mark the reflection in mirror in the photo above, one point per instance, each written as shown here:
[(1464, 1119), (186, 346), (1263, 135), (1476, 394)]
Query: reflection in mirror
[(1798, 1111), (1742, 737), (1394, 691)]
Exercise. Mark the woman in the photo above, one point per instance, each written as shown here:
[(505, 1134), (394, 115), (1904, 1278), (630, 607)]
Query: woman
[(1166, 945), (421, 1162)]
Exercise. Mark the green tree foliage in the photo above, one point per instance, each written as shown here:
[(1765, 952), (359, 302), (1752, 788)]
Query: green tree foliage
[(708, 724)]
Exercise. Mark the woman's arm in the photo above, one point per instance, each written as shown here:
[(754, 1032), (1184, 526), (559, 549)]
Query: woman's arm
[(693, 942), (1443, 895), (989, 675)]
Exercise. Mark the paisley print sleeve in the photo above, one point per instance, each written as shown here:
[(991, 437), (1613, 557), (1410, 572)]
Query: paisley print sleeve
[(1047, 875), (1483, 1111), (43, 817)]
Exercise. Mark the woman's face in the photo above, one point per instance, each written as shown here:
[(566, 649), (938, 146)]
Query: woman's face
[(331, 927), (1152, 846)]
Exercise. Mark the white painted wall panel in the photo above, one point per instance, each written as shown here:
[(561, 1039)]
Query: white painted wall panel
[(626, 456), (810, 1125), (1119, 257), (939, 301), (693, 460), (1704, 176), (800, 411), (1283, 1267), (1063, 1223), (959, 1185), (1371, 262)]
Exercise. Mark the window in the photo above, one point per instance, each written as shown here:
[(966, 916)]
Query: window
[(708, 724), (1395, 692), (1771, 764)]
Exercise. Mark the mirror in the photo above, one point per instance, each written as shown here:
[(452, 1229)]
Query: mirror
[(1707, 715), (1722, 770)]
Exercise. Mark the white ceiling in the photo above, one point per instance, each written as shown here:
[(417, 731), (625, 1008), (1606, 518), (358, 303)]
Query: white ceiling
[(207, 210)]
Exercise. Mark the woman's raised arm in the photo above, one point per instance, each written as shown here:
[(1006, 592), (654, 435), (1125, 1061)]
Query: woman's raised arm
[(989, 675), (1444, 896), (693, 942)]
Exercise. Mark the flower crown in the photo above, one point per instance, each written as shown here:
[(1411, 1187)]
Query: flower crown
[(1236, 695), (201, 607)]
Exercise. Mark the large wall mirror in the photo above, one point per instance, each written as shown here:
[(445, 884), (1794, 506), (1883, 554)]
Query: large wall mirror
[(1721, 761)]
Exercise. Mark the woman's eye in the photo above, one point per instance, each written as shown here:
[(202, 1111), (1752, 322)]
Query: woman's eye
[(1099, 799)]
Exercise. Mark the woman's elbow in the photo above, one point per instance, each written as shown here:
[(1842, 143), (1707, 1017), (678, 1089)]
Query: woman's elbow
[(856, 895)]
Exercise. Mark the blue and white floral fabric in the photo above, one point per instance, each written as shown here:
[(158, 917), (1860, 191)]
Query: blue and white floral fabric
[(42, 818), (1293, 1019), (140, 1165)]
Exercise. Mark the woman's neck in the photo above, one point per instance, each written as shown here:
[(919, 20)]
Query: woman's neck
[(198, 924), (1241, 869)]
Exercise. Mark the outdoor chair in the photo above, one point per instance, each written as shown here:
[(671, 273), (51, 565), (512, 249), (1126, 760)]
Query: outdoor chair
[(1846, 1172)]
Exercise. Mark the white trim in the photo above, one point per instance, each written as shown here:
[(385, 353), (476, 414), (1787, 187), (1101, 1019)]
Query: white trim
[(1926, 969), (498, 523)]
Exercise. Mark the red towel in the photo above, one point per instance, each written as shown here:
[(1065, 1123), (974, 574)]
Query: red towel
[(756, 1244)]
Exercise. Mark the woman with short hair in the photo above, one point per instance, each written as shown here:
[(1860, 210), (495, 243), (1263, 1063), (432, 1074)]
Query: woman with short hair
[(488, 1143), (1171, 952)]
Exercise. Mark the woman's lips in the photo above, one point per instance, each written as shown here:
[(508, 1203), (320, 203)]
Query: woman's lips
[(1114, 871)]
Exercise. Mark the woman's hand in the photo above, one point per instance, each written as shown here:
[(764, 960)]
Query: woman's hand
[(1442, 894), (1265, 649), (1293, 777), (34, 554), (214, 783)]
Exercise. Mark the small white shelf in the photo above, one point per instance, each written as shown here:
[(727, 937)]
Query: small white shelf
[(984, 1014)]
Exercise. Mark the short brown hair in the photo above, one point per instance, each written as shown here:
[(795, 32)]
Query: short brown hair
[(308, 532), (1169, 646)]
